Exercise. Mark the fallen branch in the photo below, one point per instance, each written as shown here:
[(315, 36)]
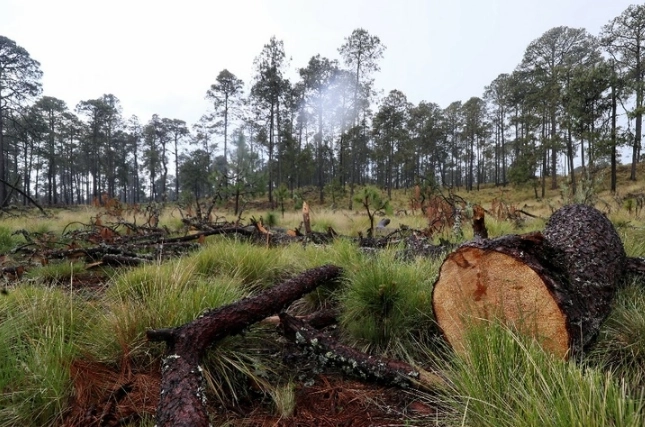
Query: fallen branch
[(528, 214), (25, 195), (356, 363), (182, 401), (126, 247), (119, 261)]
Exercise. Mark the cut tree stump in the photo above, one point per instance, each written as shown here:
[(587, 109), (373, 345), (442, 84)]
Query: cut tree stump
[(556, 286)]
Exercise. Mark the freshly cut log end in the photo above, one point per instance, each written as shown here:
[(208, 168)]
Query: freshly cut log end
[(557, 287), (478, 285)]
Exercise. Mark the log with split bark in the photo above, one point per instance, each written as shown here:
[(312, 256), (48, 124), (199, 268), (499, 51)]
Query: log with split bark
[(557, 286)]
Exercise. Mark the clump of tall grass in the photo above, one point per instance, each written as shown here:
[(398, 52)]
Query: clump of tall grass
[(55, 273), (498, 228), (242, 367), (386, 305), (503, 379), (621, 342), (633, 240), (253, 265), (39, 329), (7, 240), (154, 296)]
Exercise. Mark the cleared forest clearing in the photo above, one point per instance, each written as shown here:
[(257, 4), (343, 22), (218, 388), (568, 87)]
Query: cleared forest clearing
[(75, 315)]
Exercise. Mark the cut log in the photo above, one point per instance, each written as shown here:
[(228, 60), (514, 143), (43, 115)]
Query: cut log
[(557, 286)]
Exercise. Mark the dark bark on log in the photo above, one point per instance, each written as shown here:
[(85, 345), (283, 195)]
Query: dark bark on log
[(318, 320), (636, 265), (321, 318), (182, 400), (588, 249), (356, 363), (557, 286), (118, 260)]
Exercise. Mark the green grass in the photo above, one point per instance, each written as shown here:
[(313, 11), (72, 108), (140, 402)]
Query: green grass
[(253, 265), (633, 240), (55, 273), (386, 305), (506, 380), (38, 331), (7, 241), (621, 342), (149, 297)]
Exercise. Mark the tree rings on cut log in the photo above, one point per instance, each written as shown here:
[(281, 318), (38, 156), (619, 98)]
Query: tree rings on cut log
[(557, 287), (481, 285)]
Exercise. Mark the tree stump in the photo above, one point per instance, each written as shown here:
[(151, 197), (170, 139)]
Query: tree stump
[(556, 286)]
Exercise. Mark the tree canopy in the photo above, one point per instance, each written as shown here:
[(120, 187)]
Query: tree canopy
[(573, 99)]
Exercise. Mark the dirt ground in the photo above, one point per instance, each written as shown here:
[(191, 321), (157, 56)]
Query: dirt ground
[(106, 397)]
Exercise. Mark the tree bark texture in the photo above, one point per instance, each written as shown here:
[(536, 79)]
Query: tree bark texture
[(182, 400), (356, 363), (557, 286)]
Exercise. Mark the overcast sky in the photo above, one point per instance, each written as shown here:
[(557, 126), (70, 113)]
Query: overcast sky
[(161, 56)]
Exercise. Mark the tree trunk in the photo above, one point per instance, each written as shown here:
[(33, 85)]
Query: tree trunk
[(3, 172), (557, 286), (613, 137)]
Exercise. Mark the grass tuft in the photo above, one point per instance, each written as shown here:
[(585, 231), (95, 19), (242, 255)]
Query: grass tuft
[(387, 303), (38, 330), (621, 343), (150, 297), (7, 241), (503, 379), (252, 265)]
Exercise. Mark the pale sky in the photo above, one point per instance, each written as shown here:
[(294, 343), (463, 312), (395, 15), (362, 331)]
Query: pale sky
[(161, 56)]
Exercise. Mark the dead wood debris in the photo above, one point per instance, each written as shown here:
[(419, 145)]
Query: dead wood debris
[(328, 352), (182, 401)]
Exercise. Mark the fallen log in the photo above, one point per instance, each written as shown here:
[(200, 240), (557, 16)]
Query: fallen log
[(128, 246), (556, 286), (636, 265), (182, 401), (356, 363), (119, 261)]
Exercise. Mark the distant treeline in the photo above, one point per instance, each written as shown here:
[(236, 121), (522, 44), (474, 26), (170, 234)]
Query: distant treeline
[(573, 96)]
